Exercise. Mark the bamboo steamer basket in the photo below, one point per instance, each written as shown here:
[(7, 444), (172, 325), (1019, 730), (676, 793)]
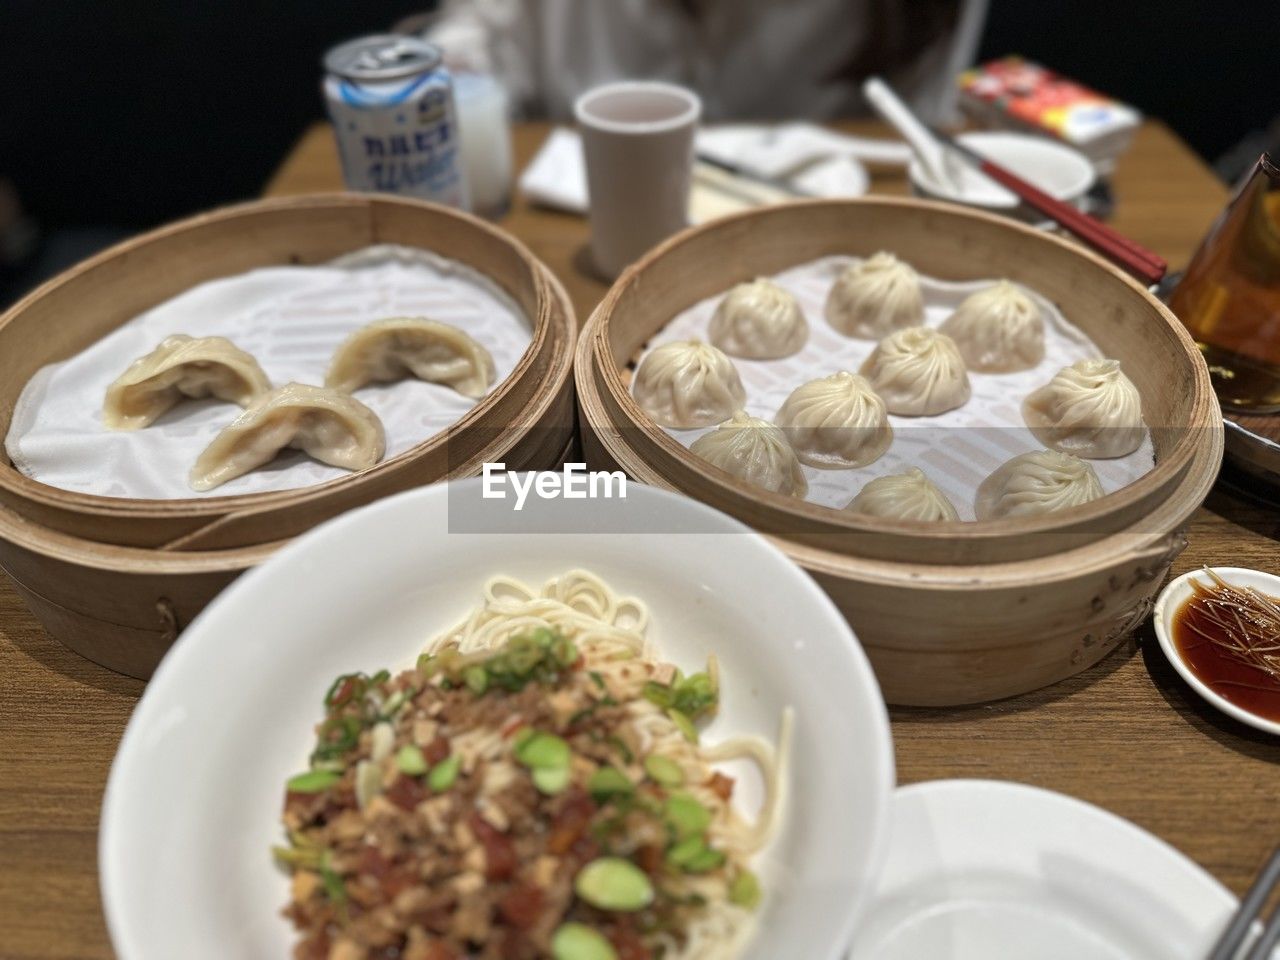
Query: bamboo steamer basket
[(949, 613), (526, 419), (123, 607)]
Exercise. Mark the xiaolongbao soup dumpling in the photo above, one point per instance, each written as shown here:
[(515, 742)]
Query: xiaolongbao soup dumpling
[(1044, 481), (918, 372), (688, 383), (998, 329), (181, 367), (389, 350), (836, 422), (875, 297), (1090, 409), (329, 425), (904, 496), (753, 450), (760, 321)]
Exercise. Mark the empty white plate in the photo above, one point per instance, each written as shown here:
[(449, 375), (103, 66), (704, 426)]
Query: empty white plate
[(986, 870)]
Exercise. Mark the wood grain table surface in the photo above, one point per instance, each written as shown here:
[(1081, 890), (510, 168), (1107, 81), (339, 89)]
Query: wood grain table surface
[(1127, 735)]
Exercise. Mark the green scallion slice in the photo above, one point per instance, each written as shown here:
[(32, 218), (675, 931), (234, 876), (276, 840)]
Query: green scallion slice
[(313, 781), (444, 774), (611, 883)]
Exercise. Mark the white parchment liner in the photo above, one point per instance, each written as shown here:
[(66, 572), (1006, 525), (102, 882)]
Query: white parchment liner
[(957, 449), (291, 319)]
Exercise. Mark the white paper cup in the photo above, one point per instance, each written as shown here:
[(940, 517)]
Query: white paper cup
[(637, 137)]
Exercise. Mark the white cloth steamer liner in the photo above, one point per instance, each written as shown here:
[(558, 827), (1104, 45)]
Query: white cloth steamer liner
[(291, 319), (957, 449)]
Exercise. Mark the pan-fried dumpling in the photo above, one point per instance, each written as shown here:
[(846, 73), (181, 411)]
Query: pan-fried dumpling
[(687, 384), (1043, 481), (918, 372), (753, 450), (998, 329), (331, 426), (836, 422), (1090, 409), (401, 347), (760, 321), (875, 297), (904, 496), (180, 367)]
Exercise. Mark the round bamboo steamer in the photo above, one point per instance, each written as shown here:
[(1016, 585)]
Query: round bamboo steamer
[(944, 241), (948, 613), (527, 418), (123, 607)]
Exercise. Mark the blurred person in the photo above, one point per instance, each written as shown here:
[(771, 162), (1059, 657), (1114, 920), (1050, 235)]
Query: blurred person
[(748, 59)]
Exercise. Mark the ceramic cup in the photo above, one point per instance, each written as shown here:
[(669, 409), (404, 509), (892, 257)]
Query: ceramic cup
[(637, 138)]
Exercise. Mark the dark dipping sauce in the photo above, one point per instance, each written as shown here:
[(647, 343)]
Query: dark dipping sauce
[(1203, 644)]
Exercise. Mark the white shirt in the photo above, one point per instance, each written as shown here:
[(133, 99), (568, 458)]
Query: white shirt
[(748, 59)]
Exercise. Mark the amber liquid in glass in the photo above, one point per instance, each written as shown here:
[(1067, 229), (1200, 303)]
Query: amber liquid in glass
[(1230, 296)]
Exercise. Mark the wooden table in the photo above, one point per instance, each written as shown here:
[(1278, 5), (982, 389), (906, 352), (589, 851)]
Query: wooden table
[(1127, 734)]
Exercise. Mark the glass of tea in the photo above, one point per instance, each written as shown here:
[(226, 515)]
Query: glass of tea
[(1229, 297)]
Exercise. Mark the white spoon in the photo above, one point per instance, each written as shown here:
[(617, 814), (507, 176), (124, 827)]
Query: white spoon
[(890, 107)]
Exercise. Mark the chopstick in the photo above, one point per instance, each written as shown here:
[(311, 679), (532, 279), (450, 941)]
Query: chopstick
[(1138, 260), (782, 186), (1248, 911)]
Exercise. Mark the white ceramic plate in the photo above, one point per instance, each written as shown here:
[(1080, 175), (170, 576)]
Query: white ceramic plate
[(989, 870), (193, 800), (1171, 599)]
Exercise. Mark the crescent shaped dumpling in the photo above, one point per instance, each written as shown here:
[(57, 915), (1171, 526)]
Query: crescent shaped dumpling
[(904, 496), (873, 298), (1043, 481), (836, 422), (759, 321), (401, 347), (329, 425), (918, 372), (998, 329), (753, 450), (687, 384), (1090, 409), (181, 367)]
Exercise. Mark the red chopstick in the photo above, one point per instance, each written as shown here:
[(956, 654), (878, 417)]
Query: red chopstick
[(1138, 260)]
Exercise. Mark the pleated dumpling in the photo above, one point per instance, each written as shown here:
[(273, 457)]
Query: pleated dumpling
[(401, 347), (999, 329), (329, 425), (904, 496), (182, 367), (1043, 481), (687, 384), (836, 422), (1090, 409), (874, 297), (918, 372), (753, 450), (760, 321)]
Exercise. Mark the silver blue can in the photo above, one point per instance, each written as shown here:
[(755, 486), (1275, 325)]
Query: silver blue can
[(391, 102)]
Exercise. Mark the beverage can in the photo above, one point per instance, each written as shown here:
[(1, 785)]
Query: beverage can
[(391, 102)]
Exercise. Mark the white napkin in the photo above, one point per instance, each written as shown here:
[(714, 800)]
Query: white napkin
[(810, 158)]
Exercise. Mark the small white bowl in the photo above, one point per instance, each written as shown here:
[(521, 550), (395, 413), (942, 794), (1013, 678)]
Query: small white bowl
[(1063, 173), (1170, 601)]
